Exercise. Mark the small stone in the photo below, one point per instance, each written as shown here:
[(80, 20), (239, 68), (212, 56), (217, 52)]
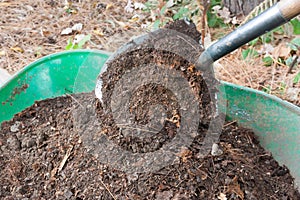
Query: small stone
[(132, 177), (41, 138), (21, 190), (15, 127), (28, 143), (215, 150), (14, 143), (165, 195), (218, 166), (68, 194)]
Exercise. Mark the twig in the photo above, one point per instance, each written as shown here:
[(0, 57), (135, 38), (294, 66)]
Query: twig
[(247, 75), (206, 4), (273, 77), (295, 58), (8, 60), (108, 190), (75, 100), (64, 160), (276, 62), (62, 164), (293, 64), (228, 124), (133, 128), (186, 41)]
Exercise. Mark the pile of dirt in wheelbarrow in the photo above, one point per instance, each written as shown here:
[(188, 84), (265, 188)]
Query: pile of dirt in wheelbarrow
[(43, 157)]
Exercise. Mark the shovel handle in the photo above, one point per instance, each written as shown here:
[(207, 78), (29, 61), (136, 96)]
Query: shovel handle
[(289, 8), (271, 18)]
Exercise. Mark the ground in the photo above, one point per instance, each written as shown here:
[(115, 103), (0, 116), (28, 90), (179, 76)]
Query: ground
[(32, 29)]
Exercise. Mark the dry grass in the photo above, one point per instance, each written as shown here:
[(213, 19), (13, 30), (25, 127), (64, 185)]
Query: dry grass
[(30, 29), (252, 73)]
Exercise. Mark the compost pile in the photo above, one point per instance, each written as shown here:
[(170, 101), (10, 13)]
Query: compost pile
[(43, 157), (142, 55)]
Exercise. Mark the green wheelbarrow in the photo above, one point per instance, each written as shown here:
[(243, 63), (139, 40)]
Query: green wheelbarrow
[(276, 122)]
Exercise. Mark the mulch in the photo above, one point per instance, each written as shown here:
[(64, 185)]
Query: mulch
[(43, 156)]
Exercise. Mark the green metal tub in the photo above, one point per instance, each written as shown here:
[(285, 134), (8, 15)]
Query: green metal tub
[(276, 122)]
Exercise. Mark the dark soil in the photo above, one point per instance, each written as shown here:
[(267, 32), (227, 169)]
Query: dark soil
[(34, 144), (153, 54)]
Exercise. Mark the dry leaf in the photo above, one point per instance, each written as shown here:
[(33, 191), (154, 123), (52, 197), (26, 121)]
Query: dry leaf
[(99, 33), (225, 14), (122, 24), (191, 68), (78, 38), (135, 18), (4, 4), (17, 49), (281, 51), (129, 7), (234, 187), (66, 31), (53, 173), (201, 173), (139, 6), (165, 195), (222, 196), (108, 6), (293, 94), (45, 33), (179, 196), (77, 27), (170, 3), (266, 49), (184, 154)]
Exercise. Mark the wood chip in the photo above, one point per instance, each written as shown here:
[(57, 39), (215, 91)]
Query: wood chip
[(64, 160)]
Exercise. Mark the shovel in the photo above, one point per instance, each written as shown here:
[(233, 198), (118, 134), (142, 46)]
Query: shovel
[(273, 17), (164, 39), (137, 64)]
